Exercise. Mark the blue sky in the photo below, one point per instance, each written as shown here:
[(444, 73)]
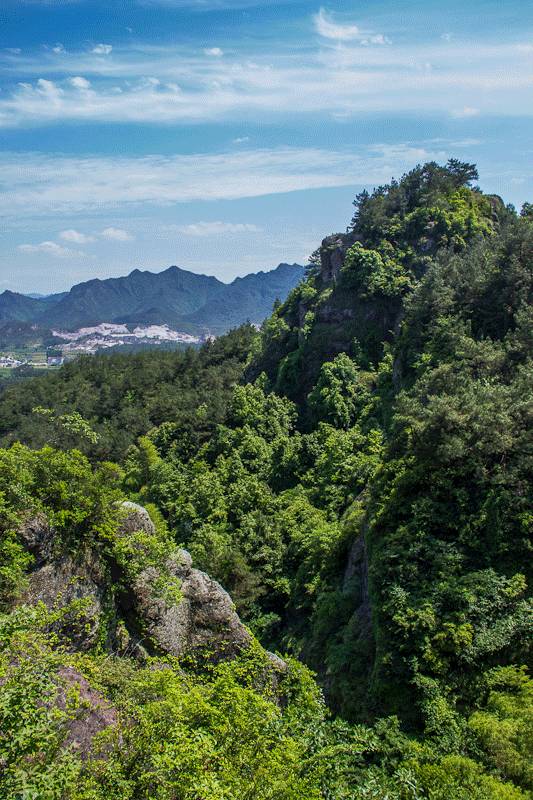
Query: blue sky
[(226, 136)]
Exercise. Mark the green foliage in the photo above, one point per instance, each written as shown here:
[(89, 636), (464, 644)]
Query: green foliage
[(31, 721), (66, 430), (14, 558), (527, 211), (462, 779), (102, 404), (503, 726), (341, 392), (371, 272), (364, 495), (78, 501), (175, 734)]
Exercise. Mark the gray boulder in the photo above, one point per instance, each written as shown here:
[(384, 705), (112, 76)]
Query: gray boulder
[(203, 622), (59, 581), (93, 715), (38, 537), (136, 518), (168, 608)]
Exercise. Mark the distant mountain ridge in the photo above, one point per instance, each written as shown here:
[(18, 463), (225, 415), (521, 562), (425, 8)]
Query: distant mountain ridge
[(175, 297)]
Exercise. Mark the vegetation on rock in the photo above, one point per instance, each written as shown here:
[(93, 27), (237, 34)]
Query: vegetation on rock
[(358, 476)]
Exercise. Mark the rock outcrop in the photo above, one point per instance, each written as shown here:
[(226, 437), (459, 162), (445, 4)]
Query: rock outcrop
[(75, 583), (197, 618), (93, 715), (332, 253), (203, 622)]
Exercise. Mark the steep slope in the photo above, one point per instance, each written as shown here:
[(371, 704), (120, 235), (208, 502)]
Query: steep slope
[(175, 297), (411, 338), (16, 307), (249, 298), (138, 297), (366, 499)]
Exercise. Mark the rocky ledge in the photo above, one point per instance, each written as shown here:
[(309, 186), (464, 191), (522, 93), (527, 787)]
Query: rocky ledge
[(132, 615)]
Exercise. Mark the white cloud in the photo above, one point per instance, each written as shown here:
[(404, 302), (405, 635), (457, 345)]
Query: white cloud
[(326, 27), (48, 92), (329, 29), (116, 235), (216, 228), (58, 49), (102, 49), (76, 237), (376, 38), (466, 111), (44, 185), (13, 50), (214, 51), (241, 140), (339, 81), (49, 248), (80, 83)]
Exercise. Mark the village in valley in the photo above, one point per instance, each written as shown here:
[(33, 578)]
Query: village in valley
[(90, 340)]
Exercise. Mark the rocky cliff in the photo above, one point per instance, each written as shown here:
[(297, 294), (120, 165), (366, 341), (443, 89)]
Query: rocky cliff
[(170, 608)]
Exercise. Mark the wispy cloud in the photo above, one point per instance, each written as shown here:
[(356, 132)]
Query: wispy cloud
[(150, 84), (328, 28), (466, 111), (50, 249), (45, 185), (102, 49), (116, 235), (216, 228), (80, 83), (76, 237), (217, 52)]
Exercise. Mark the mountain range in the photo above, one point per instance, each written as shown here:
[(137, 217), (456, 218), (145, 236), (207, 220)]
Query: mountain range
[(176, 297)]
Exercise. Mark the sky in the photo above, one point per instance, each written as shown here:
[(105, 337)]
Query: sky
[(227, 136)]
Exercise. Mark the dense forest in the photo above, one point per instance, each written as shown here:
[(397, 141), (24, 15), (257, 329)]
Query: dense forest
[(357, 475)]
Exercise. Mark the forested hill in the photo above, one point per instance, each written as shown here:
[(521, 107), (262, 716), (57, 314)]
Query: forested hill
[(358, 476), (175, 297), (124, 396)]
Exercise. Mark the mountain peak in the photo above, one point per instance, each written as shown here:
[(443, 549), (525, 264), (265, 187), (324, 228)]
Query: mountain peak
[(175, 296)]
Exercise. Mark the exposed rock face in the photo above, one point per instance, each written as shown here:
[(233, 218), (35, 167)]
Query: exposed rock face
[(94, 715), (63, 582), (58, 581), (195, 618), (357, 572), (136, 518), (332, 253), (203, 622), (38, 537)]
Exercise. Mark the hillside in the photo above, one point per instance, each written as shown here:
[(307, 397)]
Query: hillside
[(123, 396), (16, 307), (249, 298), (358, 476), (175, 296)]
